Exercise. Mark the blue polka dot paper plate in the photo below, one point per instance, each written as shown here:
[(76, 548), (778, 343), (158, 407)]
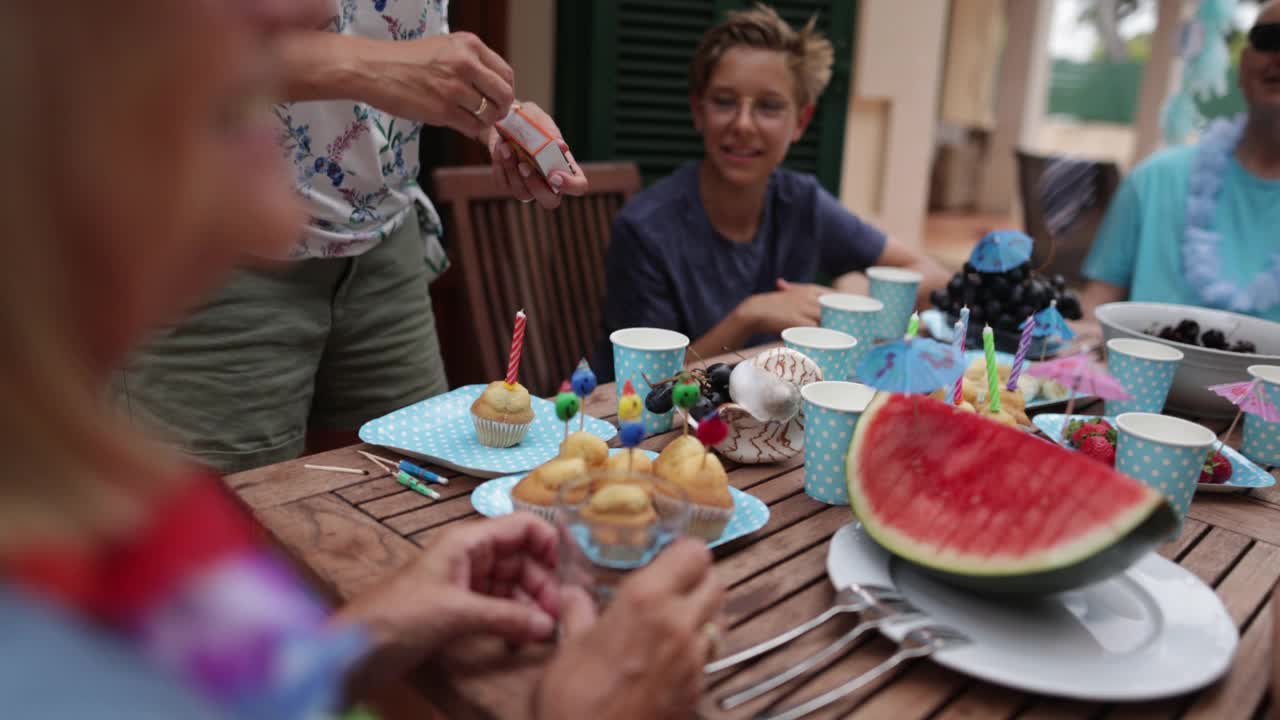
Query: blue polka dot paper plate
[(439, 430), (1245, 475), (493, 498)]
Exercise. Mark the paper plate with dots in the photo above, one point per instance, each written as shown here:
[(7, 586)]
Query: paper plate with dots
[(493, 498), (439, 430), (1245, 474)]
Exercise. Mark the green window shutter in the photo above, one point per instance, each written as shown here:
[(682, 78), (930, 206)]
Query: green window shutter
[(622, 81)]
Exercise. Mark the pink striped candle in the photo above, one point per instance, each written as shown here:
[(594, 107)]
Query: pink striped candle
[(517, 348), (962, 332), (1020, 358)]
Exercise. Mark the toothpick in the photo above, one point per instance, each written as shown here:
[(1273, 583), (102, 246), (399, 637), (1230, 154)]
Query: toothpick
[(385, 464), (334, 468)]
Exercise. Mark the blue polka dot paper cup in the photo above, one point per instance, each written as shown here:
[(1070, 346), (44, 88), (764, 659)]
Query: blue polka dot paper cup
[(647, 352), (831, 349), (831, 411), (855, 315), (1262, 438), (896, 288), (1165, 453), (1145, 369)]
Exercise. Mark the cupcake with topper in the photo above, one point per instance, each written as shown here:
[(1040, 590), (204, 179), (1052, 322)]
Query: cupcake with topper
[(581, 444), (631, 433), (503, 413)]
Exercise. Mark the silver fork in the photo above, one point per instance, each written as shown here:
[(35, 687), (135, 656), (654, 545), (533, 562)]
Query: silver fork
[(854, 598), (875, 615), (917, 643)]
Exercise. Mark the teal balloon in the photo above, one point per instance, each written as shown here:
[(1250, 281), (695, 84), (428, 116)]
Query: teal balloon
[(567, 405)]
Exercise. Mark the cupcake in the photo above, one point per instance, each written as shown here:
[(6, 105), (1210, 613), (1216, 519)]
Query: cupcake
[(621, 518), (685, 446), (977, 371), (629, 460), (1002, 416), (1030, 386), (538, 491), (502, 414), (591, 449), (706, 485), (1053, 391)]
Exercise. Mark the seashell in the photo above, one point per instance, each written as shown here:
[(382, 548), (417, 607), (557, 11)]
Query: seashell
[(754, 442)]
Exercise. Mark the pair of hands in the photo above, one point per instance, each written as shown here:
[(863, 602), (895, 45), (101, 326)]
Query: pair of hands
[(642, 658), (444, 79)]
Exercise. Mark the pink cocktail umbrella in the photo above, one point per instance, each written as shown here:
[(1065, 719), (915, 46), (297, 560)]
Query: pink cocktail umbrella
[(1247, 397), (1080, 374)]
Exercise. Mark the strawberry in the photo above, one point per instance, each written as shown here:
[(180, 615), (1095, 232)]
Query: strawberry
[(1098, 448), (1078, 430), (1216, 470)]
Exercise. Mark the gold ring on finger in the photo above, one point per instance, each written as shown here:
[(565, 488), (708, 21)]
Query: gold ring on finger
[(484, 103)]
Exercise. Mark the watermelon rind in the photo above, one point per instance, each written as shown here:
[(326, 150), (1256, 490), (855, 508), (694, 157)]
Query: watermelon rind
[(1110, 548)]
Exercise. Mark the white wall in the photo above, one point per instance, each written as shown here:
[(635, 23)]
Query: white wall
[(893, 110)]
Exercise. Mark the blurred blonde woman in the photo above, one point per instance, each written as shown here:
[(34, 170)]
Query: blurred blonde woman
[(139, 166)]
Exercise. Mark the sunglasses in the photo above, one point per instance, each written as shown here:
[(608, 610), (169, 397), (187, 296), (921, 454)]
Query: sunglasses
[(1265, 38)]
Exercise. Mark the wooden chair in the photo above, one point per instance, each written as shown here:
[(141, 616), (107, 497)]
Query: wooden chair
[(1069, 250), (509, 256)]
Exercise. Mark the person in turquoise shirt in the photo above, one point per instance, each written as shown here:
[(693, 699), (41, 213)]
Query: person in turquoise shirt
[(1165, 239)]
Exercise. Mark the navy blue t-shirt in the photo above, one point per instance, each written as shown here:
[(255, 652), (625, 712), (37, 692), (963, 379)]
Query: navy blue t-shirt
[(667, 267)]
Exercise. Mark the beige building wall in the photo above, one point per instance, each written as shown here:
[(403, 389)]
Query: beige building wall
[(531, 32), (893, 113)]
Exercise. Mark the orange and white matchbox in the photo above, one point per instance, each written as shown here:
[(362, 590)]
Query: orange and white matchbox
[(534, 144)]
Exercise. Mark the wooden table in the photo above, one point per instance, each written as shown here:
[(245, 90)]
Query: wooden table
[(349, 531)]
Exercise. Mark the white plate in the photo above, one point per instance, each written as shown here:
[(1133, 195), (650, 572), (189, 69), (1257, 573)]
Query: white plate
[(439, 430), (1245, 474), (493, 498), (1151, 632)]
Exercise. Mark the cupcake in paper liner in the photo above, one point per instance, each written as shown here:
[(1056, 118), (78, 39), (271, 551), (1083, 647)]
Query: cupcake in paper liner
[(622, 519), (538, 491), (706, 485), (502, 415)]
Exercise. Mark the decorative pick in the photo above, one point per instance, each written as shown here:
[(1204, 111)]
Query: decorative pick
[(630, 427), (685, 396), (567, 405), (712, 430), (584, 383)]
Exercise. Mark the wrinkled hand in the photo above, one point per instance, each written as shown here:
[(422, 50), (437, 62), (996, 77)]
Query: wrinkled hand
[(440, 80), (643, 658), (492, 577), (792, 305), (526, 183)]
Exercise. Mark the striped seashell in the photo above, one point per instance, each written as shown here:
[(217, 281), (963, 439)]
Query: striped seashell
[(752, 442)]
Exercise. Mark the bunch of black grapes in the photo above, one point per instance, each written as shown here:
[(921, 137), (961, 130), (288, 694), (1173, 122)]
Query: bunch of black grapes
[(713, 383), (1004, 300)]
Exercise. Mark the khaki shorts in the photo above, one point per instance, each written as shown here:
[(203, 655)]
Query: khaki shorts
[(326, 344)]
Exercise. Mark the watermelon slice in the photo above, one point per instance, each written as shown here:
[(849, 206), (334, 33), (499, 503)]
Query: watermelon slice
[(991, 507)]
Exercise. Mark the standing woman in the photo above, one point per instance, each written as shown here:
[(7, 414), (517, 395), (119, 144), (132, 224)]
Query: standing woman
[(131, 586)]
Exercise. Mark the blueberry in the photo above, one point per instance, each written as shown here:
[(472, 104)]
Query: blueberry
[(1018, 294), (1245, 346), (1017, 274), (969, 268), (718, 376), (956, 285), (1069, 306), (993, 309), (1006, 322), (1059, 282), (1214, 339), (999, 287), (703, 408), (658, 401), (940, 300)]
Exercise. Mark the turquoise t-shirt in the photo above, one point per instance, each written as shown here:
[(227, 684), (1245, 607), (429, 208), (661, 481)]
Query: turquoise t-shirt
[(1139, 245)]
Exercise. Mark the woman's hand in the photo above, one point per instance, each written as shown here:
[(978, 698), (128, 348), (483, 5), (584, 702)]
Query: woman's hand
[(525, 183), (439, 80), (643, 658), (489, 577)]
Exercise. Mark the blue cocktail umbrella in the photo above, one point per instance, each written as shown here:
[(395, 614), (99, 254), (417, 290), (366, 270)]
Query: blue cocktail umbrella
[(919, 365), (1001, 250)]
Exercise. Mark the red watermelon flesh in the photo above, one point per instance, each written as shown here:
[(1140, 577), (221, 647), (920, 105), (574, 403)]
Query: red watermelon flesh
[(951, 490)]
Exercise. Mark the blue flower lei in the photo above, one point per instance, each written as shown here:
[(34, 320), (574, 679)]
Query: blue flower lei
[(1201, 251)]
